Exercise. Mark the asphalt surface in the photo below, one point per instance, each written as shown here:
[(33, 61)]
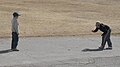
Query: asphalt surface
[(59, 52)]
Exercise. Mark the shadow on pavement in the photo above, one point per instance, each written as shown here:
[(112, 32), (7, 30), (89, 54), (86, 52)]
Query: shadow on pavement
[(5, 51), (87, 49)]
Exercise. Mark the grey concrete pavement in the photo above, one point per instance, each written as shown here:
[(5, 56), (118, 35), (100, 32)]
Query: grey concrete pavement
[(59, 52)]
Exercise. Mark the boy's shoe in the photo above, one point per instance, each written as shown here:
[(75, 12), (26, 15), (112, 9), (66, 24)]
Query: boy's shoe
[(100, 48), (14, 49), (109, 48)]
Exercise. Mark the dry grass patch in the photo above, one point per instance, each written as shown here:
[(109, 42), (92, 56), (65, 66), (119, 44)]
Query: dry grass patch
[(59, 17)]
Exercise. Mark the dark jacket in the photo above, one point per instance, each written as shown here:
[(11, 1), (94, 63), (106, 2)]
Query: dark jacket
[(103, 28)]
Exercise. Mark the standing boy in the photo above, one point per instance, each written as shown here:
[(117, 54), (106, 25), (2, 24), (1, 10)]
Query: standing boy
[(15, 33), (105, 36)]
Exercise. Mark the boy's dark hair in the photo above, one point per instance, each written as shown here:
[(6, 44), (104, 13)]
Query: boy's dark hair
[(15, 14)]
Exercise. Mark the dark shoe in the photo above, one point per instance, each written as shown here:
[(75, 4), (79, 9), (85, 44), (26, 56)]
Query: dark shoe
[(109, 48), (14, 49), (100, 48)]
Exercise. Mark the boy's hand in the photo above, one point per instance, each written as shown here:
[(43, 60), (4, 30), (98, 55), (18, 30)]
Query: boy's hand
[(92, 30), (103, 34)]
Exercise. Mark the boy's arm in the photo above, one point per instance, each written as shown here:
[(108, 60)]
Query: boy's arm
[(103, 34), (95, 30), (16, 28)]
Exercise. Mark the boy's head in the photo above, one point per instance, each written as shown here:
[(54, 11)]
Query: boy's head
[(15, 14), (98, 24)]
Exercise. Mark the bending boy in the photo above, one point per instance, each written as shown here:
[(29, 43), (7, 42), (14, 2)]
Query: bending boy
[(105, 36)]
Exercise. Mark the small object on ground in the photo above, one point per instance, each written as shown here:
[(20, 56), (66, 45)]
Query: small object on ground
[(68, 49)]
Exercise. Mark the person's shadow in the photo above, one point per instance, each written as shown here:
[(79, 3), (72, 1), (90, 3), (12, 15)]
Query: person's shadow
[(87, 49), (5, 51)]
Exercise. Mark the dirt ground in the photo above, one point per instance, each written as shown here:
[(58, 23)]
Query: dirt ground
[(59, 17)]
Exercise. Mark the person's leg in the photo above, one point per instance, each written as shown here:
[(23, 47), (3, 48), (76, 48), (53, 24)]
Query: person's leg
[(103, 42), (109, 40), (16, 41), (109, 43), (13, 40)]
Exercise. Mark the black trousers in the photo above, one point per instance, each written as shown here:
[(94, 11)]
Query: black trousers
[(15, 39), (106, 38)]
